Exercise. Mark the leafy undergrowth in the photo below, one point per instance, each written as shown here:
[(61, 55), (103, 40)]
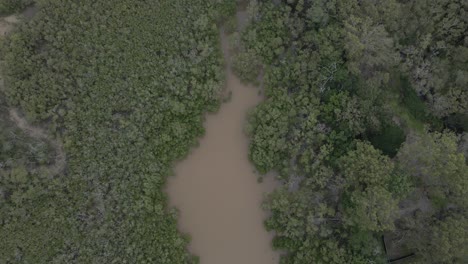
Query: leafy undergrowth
[(408, 107)]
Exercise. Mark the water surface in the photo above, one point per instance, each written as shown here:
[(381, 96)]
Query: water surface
[(216, 189)]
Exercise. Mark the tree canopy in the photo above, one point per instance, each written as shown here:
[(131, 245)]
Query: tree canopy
[(123, 85), (358, 96), (364, 119)]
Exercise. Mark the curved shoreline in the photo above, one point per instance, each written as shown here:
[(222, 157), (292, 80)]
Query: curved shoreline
[(215, 188)]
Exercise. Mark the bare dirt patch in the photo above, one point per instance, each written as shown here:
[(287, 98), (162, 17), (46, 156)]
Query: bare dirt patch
[(11, 19), (5, 27), (39, 133)]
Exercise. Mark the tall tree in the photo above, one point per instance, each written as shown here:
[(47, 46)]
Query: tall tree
[(434, 159)]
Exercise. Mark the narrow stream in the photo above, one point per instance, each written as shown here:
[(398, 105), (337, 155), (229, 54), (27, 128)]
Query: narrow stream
[(216, 189)]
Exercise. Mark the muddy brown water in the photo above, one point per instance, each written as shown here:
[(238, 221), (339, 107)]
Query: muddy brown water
[(216, 191)]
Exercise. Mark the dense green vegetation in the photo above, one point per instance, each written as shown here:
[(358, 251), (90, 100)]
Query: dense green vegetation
[(364, 120), (123, 84), (10, 6), (358, 93)]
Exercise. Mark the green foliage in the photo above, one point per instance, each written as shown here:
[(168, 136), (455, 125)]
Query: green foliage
[(435, 160), (124, 84), (332, 74), (411, 101), (434, 49), (225, 8), (367, 173), (369, 50), (439, 240), (400, 184), (372, 210), (268, 125), (457, 122), (409, 109), (28, 195), (246, 65), (365, 243), (12, 6), (437, 233), (344, 114), (366, 166), (267, 37), (448, 241), (17, 148), (389, 139)]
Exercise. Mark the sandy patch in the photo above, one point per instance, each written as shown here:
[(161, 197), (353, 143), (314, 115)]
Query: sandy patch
[(4, 28)]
